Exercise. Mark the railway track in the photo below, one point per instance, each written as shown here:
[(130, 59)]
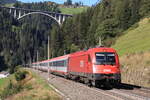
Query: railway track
[(129, 95), (122, 94), (135, 90), (78, 91), (145, 89)]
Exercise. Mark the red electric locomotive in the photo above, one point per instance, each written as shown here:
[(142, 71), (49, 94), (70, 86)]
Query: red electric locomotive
[(95, 66)]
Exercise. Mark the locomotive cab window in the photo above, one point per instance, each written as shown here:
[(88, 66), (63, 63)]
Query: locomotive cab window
[(105, 58)]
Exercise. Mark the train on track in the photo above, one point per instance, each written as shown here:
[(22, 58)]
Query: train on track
[(95, 66)]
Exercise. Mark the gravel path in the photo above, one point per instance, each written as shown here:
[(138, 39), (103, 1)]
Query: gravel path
[(71, 90)]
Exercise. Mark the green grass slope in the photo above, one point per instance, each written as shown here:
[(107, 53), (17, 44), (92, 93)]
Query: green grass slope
[(135, 40), (33, 87), (72, 10), (134, 50), (9, 5)]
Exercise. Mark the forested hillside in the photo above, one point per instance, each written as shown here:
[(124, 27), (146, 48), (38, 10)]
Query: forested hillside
[(20, 40), (107, 21), (134, 50)]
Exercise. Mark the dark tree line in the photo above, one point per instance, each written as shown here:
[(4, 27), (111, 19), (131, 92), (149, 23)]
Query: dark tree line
[(8, 46), (21, 40), (42, 6), (68, 2)]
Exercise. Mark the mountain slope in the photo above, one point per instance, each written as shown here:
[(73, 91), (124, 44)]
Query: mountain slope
[(72, 10), (134, 51), (135, 40)]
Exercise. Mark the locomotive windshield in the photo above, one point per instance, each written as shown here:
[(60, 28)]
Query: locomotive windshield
[(105, 58)]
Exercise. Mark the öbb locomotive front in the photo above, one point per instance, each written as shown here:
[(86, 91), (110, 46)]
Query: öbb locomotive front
[(95, 66)]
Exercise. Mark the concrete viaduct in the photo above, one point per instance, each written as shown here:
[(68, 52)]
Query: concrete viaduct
[(20, 13)]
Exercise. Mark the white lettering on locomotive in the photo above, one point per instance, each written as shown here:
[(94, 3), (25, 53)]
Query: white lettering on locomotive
[(81, 63), (107, 70)]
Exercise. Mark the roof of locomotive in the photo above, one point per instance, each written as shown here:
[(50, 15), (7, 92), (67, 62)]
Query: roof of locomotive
[(97, 49), (101, 49)]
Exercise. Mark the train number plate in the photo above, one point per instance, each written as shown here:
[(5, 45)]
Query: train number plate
[(107, 70)]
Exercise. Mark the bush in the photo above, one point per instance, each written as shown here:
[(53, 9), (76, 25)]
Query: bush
[(13, 88), (10, 90), (20, 75)]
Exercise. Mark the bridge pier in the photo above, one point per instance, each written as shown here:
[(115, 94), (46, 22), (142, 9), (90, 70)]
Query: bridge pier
[(10, 10), (55, 16), (19, 13), (63, 18), (15, 13), (59, 19)]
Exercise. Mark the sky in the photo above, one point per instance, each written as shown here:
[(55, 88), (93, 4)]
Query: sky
[(85, 2)]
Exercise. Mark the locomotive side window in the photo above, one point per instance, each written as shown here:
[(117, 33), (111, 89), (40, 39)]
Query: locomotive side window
[(105, 58)]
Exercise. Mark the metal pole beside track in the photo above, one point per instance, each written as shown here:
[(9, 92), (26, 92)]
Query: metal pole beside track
[(37, 59), (100, 41), (48, 55), (48, 48)]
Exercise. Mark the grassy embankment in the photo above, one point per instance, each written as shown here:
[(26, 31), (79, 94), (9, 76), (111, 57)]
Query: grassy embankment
[(9, 5), (134, 51), (32, 88), (72, 10)]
